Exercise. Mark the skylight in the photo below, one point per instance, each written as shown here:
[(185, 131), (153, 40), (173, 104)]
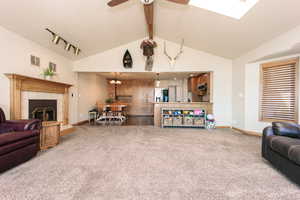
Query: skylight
[(232, 8)]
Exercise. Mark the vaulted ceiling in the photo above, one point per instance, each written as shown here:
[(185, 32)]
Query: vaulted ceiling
[(95, 27)]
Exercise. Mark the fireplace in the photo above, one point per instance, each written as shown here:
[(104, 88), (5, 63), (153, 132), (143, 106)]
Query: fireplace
[(45, 110)]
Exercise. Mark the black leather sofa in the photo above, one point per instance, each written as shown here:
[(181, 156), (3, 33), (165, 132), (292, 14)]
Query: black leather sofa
[(281, 147)]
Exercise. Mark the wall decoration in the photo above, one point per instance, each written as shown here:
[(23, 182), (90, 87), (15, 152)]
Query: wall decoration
[(52, 66), (148, 50), (34, 60), (172, 60), (127, 60)]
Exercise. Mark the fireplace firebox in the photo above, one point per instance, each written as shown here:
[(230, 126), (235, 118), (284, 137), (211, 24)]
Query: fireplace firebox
[(45, 110)]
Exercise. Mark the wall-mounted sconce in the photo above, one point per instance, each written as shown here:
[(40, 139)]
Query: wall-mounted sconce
[(56, 38)]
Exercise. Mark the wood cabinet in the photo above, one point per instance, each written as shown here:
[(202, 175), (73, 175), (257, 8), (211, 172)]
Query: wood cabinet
[(200, 87), (140, 95), (49, 136)]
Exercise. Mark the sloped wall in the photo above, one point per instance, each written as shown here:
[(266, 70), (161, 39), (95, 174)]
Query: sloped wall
[(15, 54), (190, 60)]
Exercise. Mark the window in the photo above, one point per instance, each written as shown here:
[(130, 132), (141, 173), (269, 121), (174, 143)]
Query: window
[(232, 8), (279, 91)]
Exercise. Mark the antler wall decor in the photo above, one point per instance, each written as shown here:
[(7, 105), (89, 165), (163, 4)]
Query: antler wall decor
[(173, 60)]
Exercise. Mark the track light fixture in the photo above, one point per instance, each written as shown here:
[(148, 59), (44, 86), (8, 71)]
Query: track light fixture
[(56, 39), (67, 46), (76, 50)]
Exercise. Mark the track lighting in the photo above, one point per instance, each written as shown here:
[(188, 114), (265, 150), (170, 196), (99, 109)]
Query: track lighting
[(76, 51), (56, 39), (68, 46)]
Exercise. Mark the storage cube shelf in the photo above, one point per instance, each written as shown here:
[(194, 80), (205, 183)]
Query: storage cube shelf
[(178, 117)]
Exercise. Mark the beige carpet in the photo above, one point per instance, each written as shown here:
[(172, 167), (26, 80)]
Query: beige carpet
[(146, 163)]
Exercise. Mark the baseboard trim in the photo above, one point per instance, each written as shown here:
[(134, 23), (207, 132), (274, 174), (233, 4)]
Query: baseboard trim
[(252, 133), (67, 131), (223, 127), (81, 123)]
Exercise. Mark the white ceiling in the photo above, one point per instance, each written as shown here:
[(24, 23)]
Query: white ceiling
[(95, 27)]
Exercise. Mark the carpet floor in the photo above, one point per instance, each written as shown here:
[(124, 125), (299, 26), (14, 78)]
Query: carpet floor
[(146, 163)]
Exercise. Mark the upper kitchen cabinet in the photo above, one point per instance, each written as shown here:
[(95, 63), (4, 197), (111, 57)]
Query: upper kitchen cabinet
[(199, 87)]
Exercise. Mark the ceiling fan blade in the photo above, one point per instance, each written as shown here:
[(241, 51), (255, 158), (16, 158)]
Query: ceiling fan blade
[(180, 1), (149, 11), (113, 3)]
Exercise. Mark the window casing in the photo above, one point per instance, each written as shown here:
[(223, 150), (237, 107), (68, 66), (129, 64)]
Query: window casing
[(279, 91)]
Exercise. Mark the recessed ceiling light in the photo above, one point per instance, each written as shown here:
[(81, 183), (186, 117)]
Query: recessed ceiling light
[(232, 8)]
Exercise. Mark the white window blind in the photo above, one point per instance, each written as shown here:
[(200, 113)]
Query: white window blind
[(279, 96)]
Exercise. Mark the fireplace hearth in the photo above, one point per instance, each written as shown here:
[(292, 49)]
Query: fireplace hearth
[(45, 110)]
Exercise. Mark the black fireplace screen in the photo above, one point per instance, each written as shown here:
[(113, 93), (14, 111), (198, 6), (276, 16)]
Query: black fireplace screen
[(45, 110)]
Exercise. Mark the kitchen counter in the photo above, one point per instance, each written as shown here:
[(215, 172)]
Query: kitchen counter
[(181, 105), (187, 103)]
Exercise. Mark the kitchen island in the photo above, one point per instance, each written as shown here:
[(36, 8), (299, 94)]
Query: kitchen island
[(208, 107)]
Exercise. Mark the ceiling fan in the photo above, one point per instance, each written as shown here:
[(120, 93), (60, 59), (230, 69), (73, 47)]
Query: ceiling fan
[(148, 9)]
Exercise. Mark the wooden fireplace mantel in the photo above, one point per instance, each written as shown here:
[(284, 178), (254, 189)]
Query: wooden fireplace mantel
[(20, 83)]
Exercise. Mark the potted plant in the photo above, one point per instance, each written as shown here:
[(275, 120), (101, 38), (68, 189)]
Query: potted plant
[(109, 101), (48, 73)]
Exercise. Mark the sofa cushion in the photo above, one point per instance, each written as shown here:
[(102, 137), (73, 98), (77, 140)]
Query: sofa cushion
[(286, 129), (294, 154), (17, 145), (6, 129), (7, 138), (283, 145)]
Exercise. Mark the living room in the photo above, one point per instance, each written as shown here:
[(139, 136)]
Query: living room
[(97, 54)]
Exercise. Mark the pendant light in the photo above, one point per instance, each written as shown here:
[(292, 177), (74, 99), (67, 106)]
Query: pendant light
[(157, 80)]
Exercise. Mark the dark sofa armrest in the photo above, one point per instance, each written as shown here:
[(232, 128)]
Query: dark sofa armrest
[(23, 125), (288, 129), (11, 137), (268, 131)]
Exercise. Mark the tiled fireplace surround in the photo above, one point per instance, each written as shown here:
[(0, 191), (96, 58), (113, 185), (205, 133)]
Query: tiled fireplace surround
[(24, 88), (27, 95)]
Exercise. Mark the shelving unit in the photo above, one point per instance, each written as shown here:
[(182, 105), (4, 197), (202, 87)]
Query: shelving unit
[(182, 117)]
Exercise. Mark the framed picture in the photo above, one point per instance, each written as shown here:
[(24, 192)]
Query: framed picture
[(52, 66), (34, 60)]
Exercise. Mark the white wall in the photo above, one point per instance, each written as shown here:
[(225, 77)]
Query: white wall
[(252, 86), (91, 88), (15, 54), (190, 60), (246, 78)]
